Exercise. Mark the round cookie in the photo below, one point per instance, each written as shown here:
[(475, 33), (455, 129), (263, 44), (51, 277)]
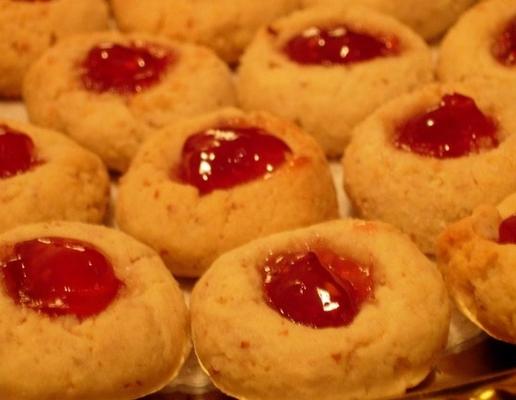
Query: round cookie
[(189, 226), (431, 18), (329, 99), (227, 26), (131, 345), (478, 261), (252, 351), (45, 176), (109, 92), (28, 28), (421, 193), (481, 44)]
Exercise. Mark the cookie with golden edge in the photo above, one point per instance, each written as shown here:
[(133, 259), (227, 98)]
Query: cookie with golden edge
[(477, 256), (110, 92), (330, 98), (191, 225), (115, 328), (28, 28), (252, 351), (45, 176), (421, 193)]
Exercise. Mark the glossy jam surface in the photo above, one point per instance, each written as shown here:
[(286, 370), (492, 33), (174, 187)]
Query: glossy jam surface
[(17, 152), (58, 276), (338, 45), (504, 46), (316, 288), (507, 231), (124, 69), (224, 157), (455, 128)]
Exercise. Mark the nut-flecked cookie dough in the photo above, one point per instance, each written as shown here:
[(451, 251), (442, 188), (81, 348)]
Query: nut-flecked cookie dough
[(28, 28), (109, 92), (45, 176), (114, 328), (482, 45), (422, 193), (328, 98), (252, 351), (190, 224), (429, 18), (227, 26), (477, 257)]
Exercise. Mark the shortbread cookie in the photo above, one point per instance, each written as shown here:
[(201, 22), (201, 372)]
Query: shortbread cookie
[(28, 28), (429, 158), (109, 92), (429, 18), (44, 176), (326, 312), (87, 313), (227, 26), (327, 69), (477, 257), (206, 185), (482, 44)]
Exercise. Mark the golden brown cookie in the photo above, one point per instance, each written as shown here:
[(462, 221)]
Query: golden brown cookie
[(205, 185), (328, 68), (28, 28), (44, 176), (109, 92), (94, 315), (324, 312)]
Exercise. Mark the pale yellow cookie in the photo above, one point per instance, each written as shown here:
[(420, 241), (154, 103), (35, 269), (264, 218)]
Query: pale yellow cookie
[(190, 229), (133, 347), (253, 352), (421, 194), (329, 100), (28, 28), (65, 181), (480, 271), (114, 124)]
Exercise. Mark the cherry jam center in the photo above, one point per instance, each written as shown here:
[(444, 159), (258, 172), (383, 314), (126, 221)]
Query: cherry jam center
[(455, 128), (124, 69), (58, 276), (504, 46), (338, 45), (17, 152), (317, 288), (507, 231), (225, 157)]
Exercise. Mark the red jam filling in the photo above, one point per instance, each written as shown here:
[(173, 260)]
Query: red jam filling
[(17, 152), (58, 276), (504, 46), (124, 69), (316, 288), (455, 128), (507, 231), (338, 45), (221, 158)]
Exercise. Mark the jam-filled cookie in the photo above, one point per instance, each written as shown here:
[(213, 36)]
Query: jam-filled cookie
[(326, 312), (328, 68), (429, 158), (109, 92), (227, 26), (209, 184), (477, 257), (429, 18), (45, 176), (482, 44), (29, 27), (87, 313)]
